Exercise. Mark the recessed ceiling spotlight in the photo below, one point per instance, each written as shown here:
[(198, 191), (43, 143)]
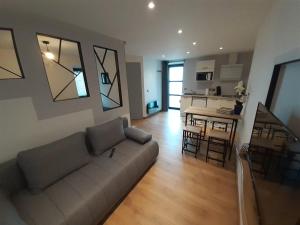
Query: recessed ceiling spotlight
[(221, 48), (163, 56), (151, 5), (187, 52), (179, 31), (194, 43)]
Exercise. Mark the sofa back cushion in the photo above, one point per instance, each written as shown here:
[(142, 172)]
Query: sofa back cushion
[(44, 165), (105, 136)]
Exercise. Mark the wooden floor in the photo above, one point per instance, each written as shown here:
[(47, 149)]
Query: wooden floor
[(178, 189)]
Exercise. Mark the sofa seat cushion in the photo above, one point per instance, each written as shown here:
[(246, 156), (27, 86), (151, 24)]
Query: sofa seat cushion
[(104, 136), (77, 199), (136, 158), (87, 195), (44, 165)]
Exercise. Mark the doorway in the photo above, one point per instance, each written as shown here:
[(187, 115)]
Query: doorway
[(134, 82), (175, 85)]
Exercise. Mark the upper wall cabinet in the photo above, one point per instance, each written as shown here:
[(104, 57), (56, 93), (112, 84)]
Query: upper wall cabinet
[(108, 77), (64, 67), (10, 67), (231, 72)]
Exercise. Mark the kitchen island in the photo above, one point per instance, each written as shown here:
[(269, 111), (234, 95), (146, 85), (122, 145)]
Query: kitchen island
[(205, 101)]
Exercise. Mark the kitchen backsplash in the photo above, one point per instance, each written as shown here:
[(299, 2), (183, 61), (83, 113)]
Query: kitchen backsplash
[(190, 85), (227, 88)]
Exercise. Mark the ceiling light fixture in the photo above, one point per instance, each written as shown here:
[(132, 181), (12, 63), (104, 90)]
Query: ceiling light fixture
[(179, 31), (187, 52), (151, 5), (163, 56), (47, 53), (221, 48), (194, 43)]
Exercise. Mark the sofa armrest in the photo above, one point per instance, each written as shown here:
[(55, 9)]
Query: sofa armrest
[(137, 135), (8, 212)]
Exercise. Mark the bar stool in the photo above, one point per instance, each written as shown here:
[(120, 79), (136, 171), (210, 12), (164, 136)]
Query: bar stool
[(200, 121), (191, 137), (221, 124), (217, 138)]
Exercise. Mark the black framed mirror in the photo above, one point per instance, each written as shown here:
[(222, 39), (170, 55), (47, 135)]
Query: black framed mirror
[(10, 66), (108, 77), (64, 67)]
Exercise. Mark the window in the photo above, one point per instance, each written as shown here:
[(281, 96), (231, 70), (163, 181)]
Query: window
[(175, 85), (80, 84)]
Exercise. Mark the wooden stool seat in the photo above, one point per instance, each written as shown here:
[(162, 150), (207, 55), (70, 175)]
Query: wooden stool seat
[(191, 137), (222, 135), (197, 117), (193, 129)]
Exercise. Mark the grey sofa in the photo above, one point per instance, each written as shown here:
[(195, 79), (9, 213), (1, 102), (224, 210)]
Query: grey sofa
[(78, 180)]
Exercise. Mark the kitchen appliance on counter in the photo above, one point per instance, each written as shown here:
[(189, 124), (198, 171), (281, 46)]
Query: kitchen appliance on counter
[(218, 91), (204, 76), (205, 70)]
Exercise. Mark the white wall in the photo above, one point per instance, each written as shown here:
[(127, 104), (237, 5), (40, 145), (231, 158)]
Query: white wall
[(22, 129), (152, 81), (28, 115), (278, 41)]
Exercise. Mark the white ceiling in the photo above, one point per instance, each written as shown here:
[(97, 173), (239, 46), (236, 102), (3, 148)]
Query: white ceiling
[(232, 24)]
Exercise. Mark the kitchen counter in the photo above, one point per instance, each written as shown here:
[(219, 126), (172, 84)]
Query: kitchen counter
[(225, 97), (205, 101)]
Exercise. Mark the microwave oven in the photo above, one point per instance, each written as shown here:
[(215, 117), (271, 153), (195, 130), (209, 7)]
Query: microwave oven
[(204, 75)]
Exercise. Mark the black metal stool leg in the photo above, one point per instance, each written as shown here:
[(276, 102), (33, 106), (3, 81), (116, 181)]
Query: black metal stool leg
[(207, 149), (183, 142), (224, 154)]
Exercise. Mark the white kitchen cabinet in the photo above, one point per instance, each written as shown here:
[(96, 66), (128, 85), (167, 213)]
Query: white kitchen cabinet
[(198, 102), (228, 103), (231, 72), (218, 103), (185, 102), (213, 103), (205, 66)]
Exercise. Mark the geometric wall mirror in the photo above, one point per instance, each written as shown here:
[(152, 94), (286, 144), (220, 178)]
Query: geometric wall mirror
[(108, 77), (64, 67), (10, 67)]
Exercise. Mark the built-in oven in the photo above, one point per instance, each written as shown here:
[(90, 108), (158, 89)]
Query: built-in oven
[(204, 75)]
